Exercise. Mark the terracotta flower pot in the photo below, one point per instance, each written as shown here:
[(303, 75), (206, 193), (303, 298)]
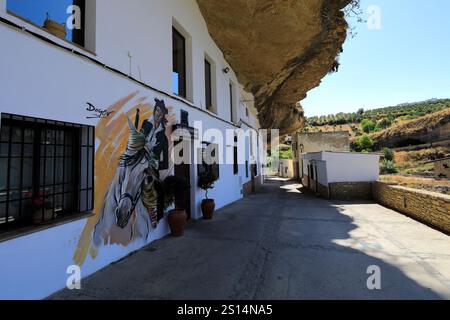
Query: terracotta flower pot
[(177, 221), (208, 207)]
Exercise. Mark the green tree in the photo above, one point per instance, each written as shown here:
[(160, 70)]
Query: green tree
[(368, 125), (364, 143)]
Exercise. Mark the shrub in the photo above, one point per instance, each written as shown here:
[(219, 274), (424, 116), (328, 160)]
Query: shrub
[(388, 154), (384, 123), (388, 167), (368, 125), (206, 180), (364, 144)]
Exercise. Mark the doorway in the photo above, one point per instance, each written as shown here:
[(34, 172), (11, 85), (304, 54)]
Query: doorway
[(183, 170)]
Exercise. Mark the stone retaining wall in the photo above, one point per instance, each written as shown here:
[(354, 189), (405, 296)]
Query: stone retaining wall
[(429, 207), (351, 191)]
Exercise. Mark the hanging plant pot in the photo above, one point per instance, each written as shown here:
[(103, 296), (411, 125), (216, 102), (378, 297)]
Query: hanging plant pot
[(208, 207), (177, 220), (55, 28)]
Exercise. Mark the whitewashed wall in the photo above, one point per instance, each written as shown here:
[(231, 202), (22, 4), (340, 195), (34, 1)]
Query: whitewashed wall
[(322, 172), (352, 167), (345, 166), (41, 80)]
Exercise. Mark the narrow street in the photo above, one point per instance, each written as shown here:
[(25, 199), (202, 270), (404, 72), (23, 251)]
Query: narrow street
[(284, 243)]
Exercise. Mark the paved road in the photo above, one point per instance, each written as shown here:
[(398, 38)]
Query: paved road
[(284, 243)]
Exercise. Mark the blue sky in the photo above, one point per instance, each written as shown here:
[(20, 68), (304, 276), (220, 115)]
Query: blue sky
[(407, 60)]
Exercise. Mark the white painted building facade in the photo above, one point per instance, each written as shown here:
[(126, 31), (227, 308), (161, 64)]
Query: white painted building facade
[(343, 166), (126, 63), (340, 174)]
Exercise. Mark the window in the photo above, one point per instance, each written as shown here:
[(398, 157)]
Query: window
[(246, 112), (246, 169), (208, 86), (231, 102), (36, 13), (209, 156), (254, 170), (235, 156), (46, 170), (179, 64)]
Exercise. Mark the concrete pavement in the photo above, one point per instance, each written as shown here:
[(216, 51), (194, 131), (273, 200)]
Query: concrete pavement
[(284, 243)]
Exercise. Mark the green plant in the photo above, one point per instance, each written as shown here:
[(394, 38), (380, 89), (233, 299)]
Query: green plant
[(364, 144), (175, 192), (206, 180), (368, 125), (384, 123), (388, 167), (388, 154)]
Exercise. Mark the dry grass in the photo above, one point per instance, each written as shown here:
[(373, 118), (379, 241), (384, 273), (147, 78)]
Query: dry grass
[(430, 184), (416, 162), (416, 126), (343, 127)]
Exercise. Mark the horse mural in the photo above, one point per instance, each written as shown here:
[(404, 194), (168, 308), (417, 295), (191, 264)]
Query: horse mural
[(135, 201)]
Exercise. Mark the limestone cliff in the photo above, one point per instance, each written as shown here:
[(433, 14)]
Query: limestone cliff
[(280, 49)]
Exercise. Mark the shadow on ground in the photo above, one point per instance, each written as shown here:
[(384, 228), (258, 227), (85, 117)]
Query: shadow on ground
[(280, 243)]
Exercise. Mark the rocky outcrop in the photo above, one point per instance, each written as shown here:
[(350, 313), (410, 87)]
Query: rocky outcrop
[(431, 128), (279, 49)]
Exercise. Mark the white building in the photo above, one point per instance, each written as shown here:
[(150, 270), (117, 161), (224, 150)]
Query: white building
[(286, 168), (340, 175), (64, 105)]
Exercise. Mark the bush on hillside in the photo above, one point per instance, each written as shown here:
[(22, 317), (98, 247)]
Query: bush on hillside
[(363, 144), (388, 167), (388, 154)]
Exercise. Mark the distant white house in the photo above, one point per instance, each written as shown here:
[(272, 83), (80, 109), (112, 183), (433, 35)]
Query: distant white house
[(286, 168), (340, 175)]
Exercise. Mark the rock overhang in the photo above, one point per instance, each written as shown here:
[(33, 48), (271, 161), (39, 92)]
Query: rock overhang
[(279, 50)]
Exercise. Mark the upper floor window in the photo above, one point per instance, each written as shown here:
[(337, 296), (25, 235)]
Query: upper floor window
[(179, 63), (62, 18), (46, 171), (208, 86), (231, 103)]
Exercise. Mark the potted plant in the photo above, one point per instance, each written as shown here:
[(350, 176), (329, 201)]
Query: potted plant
[(206, 181), (175, 193)]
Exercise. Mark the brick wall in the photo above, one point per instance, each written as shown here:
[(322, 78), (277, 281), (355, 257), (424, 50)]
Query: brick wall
[(429, 207), (351, 191)]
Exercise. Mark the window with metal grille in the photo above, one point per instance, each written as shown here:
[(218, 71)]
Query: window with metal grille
[(46, 171)]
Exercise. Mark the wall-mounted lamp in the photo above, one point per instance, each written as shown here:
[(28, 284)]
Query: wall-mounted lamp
[(226, 70)]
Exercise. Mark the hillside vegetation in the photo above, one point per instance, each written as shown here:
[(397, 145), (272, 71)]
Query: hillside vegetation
[(384, 117), (408, 135)]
